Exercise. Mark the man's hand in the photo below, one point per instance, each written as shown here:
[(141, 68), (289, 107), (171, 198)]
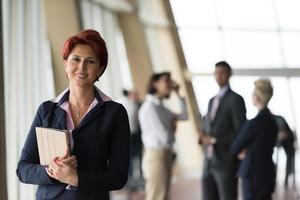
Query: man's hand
[(206, 139), (242, 154), (283, 135)]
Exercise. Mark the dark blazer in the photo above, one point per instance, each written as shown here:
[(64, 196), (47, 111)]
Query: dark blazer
[(258, 136), (101, 146), (288, 143), (230, 116)]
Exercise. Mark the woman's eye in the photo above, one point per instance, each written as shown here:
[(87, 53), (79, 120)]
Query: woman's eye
[(76, 59), (90, 62)]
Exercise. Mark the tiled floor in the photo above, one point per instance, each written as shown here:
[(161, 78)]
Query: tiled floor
[(189, 188)]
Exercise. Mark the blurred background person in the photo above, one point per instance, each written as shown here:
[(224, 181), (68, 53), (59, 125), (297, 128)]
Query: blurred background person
[(254, 146), (226, 114), (158, 125), (286, 139), (130, 100)]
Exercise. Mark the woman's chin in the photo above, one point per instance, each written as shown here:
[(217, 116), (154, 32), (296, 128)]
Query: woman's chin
[(82, 83)]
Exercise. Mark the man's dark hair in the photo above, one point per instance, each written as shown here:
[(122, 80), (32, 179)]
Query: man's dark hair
[(125, 92), (225, 65), (154, 78)]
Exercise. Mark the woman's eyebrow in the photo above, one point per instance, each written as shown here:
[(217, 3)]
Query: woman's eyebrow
[(90, 57), (76, 56)]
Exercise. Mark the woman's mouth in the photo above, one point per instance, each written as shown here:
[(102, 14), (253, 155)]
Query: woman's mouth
[(81, 76)]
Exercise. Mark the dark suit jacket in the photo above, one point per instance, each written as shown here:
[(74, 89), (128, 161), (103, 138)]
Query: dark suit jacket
[(258, 136), (101, 146), (230, 116), (288, 143)]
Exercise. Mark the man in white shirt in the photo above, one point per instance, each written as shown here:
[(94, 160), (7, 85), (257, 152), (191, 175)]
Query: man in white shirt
[(158, 125)]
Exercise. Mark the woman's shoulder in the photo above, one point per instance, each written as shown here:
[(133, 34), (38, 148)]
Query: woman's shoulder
[(146, 106), (46, 106), (114, 106)]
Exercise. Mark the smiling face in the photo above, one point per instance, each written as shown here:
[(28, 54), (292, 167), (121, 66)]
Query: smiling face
[(82, 66)]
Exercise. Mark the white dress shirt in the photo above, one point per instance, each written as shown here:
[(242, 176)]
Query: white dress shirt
[(216, 101), (156, 122), (132, 109)]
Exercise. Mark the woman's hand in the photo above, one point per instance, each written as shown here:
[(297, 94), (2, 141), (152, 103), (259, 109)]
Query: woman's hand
[(175, 87), (64, 169), (71, 160)]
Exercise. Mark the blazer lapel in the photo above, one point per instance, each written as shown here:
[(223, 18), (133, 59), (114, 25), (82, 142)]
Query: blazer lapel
[(60, 115), (221, 104), (92, 114)]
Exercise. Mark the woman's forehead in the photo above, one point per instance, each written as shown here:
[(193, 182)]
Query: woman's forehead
[(83, 49)]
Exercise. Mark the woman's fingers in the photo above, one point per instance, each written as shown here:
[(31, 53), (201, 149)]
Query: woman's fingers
[(69, 159), (73, 164), (67, 154), (55, 164), (49, 172), (72, 161)]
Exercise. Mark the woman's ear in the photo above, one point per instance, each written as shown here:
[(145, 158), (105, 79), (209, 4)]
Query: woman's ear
[(254, 99), (155, 85), (65, 63)]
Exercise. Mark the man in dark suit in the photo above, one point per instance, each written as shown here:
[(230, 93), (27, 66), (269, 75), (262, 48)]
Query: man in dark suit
[(226, 114), (286, 139)]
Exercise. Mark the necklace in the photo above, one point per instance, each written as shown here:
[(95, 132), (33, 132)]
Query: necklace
[(78, 114)]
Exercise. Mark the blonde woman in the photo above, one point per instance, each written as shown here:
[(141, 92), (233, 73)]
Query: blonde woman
[(254, 146)]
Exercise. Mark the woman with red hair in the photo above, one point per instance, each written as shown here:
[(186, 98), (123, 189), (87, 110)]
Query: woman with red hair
[(98, 128)]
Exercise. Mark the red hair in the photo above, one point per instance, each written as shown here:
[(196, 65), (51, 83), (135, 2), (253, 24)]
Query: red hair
[(87, 37)]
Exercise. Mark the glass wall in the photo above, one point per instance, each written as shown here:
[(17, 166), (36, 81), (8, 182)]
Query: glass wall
[(256, 37)]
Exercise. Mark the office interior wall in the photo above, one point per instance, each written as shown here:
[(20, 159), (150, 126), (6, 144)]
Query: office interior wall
[(136, 48), (166, 55), (104, 19), (62, 21), (3, 188), (28, 79)]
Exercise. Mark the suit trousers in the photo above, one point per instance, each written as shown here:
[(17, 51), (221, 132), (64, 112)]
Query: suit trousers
[(257, 191), (157, 166), (219, 186)]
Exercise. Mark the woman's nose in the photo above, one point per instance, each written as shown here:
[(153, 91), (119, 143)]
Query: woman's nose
[(82, 65)]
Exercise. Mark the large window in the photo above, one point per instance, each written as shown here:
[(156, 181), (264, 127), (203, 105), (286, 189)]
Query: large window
[(257, 37)]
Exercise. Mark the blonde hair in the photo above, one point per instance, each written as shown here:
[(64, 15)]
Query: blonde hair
[(263, 89)]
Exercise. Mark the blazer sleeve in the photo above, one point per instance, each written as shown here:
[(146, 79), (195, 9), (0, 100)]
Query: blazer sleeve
[(116, 173), (29, 169), (245, 137), (238, 113)]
